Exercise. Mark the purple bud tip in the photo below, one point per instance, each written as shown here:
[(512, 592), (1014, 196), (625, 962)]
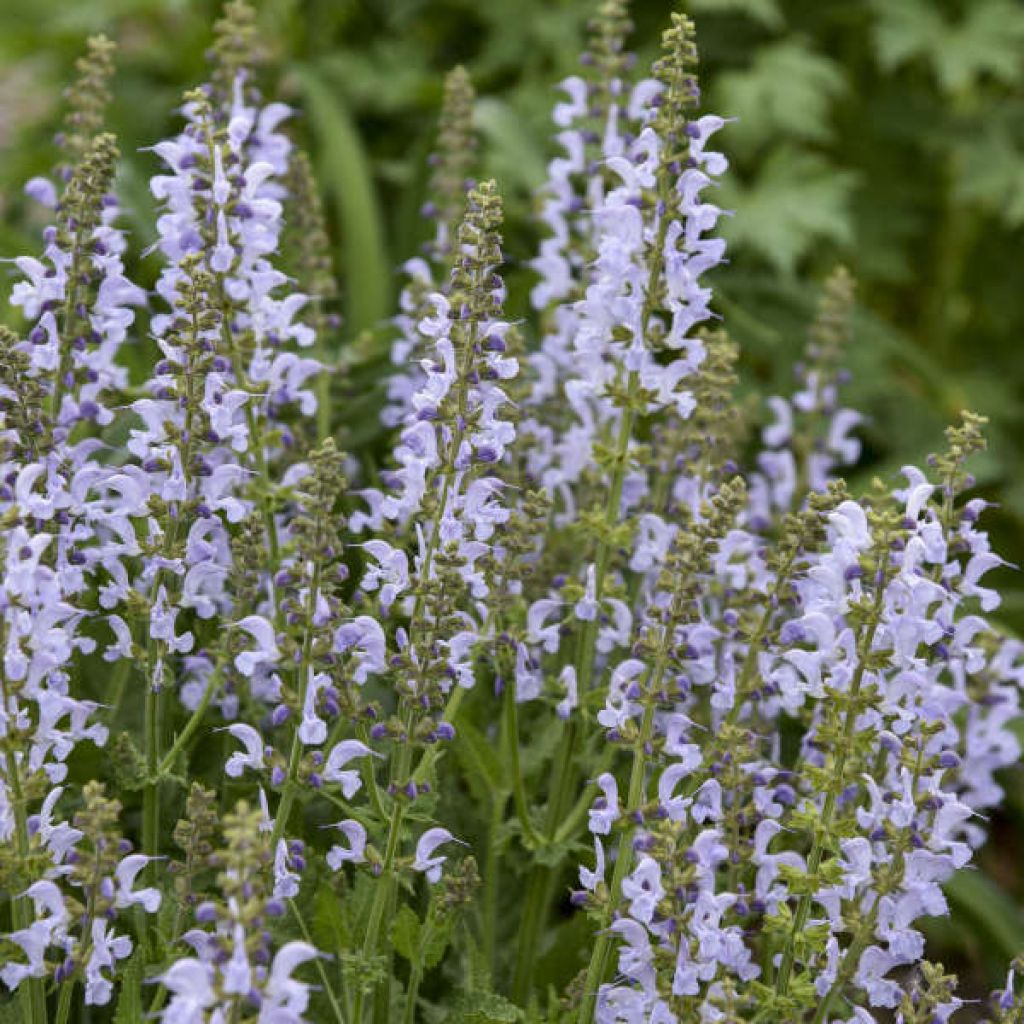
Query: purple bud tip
[(206, 913), (785, 795), (378, 732), (277, 775), (579, 898), (274, 908), (947, 759), (280, 715)]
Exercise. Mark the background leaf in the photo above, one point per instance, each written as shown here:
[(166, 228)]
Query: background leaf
[(796, 201), (342, 165)]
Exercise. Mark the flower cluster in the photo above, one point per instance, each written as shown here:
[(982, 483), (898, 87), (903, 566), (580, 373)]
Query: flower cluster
[(583, 689)]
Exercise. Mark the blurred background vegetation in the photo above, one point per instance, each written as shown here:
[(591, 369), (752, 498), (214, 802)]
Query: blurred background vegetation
[(886, 134)]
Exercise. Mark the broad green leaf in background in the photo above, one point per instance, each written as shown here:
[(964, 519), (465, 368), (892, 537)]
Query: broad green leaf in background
[(989, 40), (346, 177), (514, 156), (767, 12), (991, 175), (788, 90), (906, 30), (796, 201), (998, 918)]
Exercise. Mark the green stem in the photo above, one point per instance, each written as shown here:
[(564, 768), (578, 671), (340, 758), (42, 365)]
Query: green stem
[(193, 723), (574, 819), (824, 829), (339, 1014), (416, 974), (64, 1005), (35, 998), (384, 891), (295, 757), (603, 942), (120, 686), (533, 837), (491, 877), (381, 898), (70, 301), (151, 794), (587, 641)]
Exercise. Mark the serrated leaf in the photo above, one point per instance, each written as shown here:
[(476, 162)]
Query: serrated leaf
[(797, 201), (788, 90), (987, 41), (766, 12), (483, 1008), (436, 943), (905, 30), (328, 925), (406, 931), (991, 175)]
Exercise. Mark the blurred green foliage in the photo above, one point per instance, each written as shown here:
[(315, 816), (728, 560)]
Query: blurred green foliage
[(888, 134)]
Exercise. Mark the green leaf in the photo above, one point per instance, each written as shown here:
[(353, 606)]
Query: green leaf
[(436, 942), (990, 174), (797, 201), (15, 1010), (987, 41), (993, 912), (479, 760), (766, 12), (129, 1003), (514, 156), (788, 90), (483, 1008), (328, 925), (344, 172), (905, 30), (406, 931)]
